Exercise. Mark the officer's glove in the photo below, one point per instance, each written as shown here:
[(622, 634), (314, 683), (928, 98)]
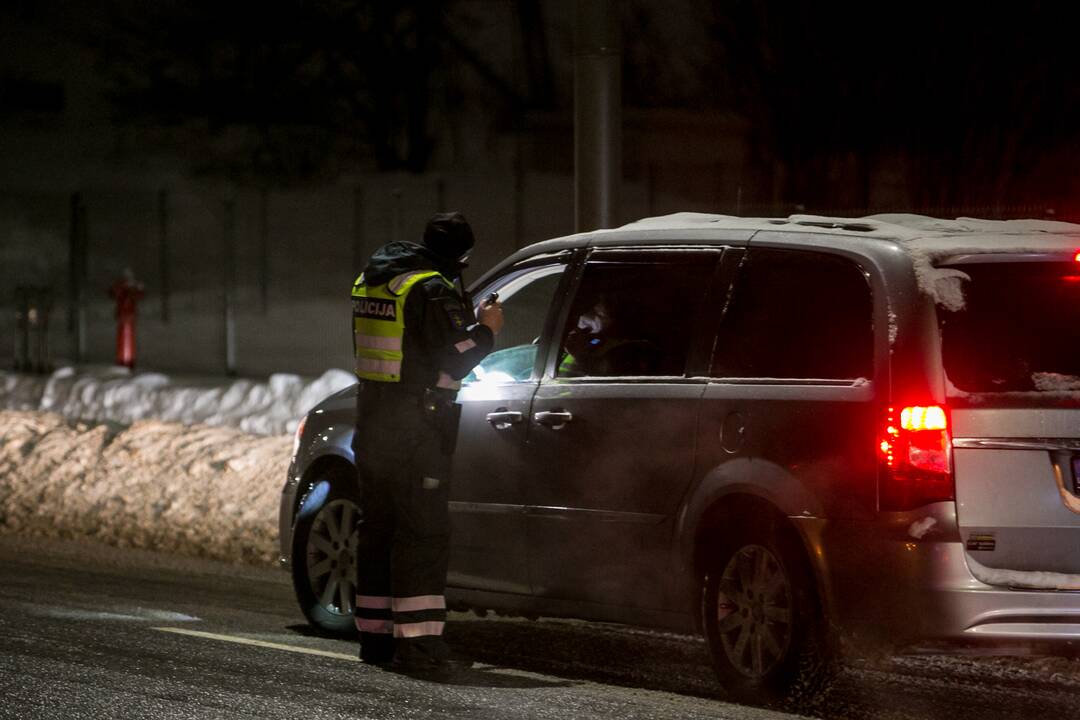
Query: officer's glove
[(491, 315)]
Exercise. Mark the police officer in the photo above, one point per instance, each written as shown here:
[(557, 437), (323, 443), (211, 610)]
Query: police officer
[(415, 337)]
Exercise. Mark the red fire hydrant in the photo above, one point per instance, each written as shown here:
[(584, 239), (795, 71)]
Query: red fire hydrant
[(127, 293)]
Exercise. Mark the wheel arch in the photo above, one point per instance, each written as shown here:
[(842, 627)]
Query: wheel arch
[(326, 481), (332, 466), (740, 489)]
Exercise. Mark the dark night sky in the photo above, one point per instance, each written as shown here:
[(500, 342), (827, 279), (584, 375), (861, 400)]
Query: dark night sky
[(968, 104), (268, 147)]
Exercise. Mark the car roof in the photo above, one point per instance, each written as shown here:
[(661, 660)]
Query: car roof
[(916, 232), (929, 242)]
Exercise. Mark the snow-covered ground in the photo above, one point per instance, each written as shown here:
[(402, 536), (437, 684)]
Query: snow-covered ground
[(197, 490), (213, 491), (193, 466), (115, 394)]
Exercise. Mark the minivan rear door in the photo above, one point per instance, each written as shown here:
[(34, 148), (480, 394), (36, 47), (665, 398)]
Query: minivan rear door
[(1012, 361)]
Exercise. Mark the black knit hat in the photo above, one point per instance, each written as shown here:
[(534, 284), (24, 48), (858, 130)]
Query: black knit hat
[(448, 235)]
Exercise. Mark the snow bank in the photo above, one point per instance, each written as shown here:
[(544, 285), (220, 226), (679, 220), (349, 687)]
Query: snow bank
[(200, 490), (115, 394)]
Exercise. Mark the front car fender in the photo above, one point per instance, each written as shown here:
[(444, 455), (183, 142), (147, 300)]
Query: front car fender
[(326, 442)]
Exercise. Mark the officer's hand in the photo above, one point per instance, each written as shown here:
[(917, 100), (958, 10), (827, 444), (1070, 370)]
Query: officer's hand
[(491, 315)]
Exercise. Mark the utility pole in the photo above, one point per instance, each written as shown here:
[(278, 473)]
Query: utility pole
[(597, 115), (229, 278), (77, 266), (164, 264)]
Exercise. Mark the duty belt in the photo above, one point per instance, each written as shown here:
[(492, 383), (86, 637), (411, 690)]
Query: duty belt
[(425, 396)]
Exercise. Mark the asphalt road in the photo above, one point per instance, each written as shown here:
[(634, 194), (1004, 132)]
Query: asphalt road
[(88, 631)]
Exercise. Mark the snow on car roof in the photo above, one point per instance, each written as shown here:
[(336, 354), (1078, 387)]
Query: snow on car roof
[(965, 233), (927, 240)]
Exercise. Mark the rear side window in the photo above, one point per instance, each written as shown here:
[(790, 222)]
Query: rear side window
[(634, 314), (796, 314), (1019, 330)]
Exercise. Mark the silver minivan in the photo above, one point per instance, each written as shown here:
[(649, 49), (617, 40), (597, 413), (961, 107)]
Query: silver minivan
[(790, 435)]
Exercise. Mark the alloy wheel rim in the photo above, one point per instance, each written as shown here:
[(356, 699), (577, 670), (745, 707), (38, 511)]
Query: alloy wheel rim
[(754, 611), (331, 556)]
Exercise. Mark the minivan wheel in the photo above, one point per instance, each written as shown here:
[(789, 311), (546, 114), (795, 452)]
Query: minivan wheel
[(324, 557), (763, 621)]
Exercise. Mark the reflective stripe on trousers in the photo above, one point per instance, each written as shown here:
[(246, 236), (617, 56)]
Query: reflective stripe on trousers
[(418, 602), (428, 628), (373, 602), (374, 614), (375, 627), (413, 617)]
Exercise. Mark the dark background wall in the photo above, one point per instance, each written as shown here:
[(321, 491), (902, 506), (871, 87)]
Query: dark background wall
[(296, 137)]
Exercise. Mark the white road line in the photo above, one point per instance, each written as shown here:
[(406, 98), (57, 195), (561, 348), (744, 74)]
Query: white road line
[(258, 643), (512, 672)]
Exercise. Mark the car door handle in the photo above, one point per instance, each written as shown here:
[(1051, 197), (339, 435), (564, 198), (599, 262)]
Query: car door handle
[(553, 419), (502, 419)]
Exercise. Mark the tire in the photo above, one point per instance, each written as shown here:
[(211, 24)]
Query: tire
[(763, 622), (324, 557)]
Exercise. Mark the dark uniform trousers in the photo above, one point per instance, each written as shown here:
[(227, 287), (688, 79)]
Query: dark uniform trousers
[(403, 456)]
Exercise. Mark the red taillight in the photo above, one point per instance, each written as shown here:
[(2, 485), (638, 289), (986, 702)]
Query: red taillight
[(914, 418), (916, 458), (1077, 257)]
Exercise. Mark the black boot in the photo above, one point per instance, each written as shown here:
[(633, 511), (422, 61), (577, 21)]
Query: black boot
[(376, 649)]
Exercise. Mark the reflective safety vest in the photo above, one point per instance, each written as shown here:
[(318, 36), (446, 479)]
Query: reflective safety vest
[(379, 324)]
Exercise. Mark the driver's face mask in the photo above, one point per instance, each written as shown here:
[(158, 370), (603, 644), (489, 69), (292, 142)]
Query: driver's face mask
[(594, 320)]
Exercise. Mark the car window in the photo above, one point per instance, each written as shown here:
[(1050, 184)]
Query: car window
[(796, 314), (634, 316), (1019, 329), (526, 297)]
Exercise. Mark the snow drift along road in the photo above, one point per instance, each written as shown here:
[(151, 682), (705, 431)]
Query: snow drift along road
[(115, 394), (199, 490)]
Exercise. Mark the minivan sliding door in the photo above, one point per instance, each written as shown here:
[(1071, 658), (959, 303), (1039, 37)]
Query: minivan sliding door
[(611, 445)]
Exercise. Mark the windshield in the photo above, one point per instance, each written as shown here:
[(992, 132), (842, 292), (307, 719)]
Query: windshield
[(1019, 330)]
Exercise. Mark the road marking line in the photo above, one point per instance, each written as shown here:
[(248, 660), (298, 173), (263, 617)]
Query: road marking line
[(258, 643), (484, 667)]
